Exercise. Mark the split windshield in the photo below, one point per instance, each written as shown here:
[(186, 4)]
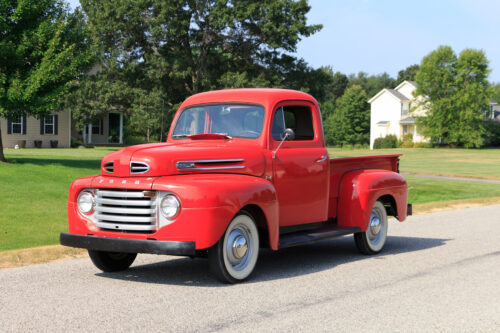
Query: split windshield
[(233, 120)]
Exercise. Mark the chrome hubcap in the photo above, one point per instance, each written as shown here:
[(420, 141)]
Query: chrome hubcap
[(374, 225), (240, 247)]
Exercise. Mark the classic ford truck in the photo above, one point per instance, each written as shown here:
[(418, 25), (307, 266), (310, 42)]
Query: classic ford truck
[(242, 169)]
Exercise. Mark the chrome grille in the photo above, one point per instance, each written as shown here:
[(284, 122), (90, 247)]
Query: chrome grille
[(109, 167), (126, 210), (138, 168)]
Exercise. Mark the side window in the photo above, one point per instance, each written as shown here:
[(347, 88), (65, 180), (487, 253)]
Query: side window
[(298, 118)]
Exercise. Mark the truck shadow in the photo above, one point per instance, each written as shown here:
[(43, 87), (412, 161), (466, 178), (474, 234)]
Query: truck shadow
[(272, 265)]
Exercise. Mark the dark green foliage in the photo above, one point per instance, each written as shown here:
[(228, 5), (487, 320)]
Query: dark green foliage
[(372, 84), (389, 141), (157, 53), (350, 122), (407, 74), (458, 93), (492, 134), (43, 46)]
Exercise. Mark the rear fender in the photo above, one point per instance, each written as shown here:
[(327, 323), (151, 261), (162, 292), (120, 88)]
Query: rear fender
[(231, 191), (360, 189)]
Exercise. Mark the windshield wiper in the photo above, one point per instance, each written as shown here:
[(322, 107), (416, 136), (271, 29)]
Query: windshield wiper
[(210, 136), (180, 136), (204, 136)]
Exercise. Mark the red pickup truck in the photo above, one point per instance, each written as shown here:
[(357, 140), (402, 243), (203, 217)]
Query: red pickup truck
[(242, 169)]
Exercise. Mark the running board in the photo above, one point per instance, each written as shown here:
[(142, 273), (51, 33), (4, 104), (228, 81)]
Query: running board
[(314, 235)]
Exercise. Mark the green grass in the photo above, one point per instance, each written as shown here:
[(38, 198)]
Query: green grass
[(425, 190), (34, 190), (34, 185), (480, 163)]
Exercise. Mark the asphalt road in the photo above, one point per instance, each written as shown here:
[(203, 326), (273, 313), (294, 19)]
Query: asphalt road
[(439, 272)]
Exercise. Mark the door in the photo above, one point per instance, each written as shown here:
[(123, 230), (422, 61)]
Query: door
[(300, 166)]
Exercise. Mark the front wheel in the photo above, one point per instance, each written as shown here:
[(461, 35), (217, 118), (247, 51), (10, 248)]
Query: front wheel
[(234, 256), (373, 239), (112, 261)]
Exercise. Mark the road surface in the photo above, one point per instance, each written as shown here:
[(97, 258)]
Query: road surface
[(439, 272)]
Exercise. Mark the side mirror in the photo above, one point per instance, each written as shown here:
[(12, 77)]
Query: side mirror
[(288, 135)]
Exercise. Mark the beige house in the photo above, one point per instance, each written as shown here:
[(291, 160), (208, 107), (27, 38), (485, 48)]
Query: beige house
[(58, 129)]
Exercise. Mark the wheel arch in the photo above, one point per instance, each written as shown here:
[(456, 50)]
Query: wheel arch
[(359, 190), (261, 221)]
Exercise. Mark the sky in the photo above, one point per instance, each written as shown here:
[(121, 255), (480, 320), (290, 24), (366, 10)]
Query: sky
[(376, 36)]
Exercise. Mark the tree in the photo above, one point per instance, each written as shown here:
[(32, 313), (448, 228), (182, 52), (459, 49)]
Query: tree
[(457, 92), (372, 84), (407, 74), (43, 46), (182, 47), (350, 122)]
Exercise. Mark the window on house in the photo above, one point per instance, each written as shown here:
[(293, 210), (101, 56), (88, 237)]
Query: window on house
[(48, 125), (298, 118), (17, 125), (96, 127), (405, 129)]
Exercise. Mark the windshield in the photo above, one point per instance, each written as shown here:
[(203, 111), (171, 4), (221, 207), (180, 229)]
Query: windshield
[(233, 120)]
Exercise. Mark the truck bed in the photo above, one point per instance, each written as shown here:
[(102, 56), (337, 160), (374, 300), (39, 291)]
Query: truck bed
[(341, 166)]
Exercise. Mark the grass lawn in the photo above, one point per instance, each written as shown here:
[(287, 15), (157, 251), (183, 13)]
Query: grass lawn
[(35, 185), (480, 163), (34, 193)]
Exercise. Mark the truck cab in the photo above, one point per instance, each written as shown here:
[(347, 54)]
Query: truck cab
[(241, 169)]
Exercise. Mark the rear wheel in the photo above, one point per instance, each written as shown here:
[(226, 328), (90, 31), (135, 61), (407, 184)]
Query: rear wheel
[(112, 261), (235, 255), (373, 239)]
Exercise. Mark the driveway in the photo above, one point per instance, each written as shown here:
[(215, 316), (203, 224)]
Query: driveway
[(439, 272)]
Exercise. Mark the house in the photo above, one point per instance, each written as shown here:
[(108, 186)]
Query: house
[(390, 113), (25, 130), (493, 113)]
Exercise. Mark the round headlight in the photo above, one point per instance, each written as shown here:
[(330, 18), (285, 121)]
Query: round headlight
[(170, 206), (85, 202)]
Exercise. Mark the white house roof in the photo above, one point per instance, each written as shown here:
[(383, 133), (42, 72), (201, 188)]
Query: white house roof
[(411, 83), (392, 92)]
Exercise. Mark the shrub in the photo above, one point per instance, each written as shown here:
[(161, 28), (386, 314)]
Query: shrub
[(361, 146), (76, 143), (390, 141), (422, 145)]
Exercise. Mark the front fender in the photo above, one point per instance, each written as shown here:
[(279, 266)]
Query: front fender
[(360, 189), (200, 192)]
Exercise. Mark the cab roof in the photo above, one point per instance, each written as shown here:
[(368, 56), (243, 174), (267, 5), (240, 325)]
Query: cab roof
[(263, 96)]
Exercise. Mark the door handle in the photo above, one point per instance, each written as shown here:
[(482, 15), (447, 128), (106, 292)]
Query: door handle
[(323, 157)]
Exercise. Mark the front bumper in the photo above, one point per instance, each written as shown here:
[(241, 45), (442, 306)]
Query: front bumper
[(128, 245)]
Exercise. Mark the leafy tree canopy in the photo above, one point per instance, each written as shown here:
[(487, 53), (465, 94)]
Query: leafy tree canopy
[(407, 74), (350, 122), (43, 46), (181, 47), (458, 95)]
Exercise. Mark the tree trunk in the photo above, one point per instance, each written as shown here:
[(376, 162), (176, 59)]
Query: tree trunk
[(2, 157)]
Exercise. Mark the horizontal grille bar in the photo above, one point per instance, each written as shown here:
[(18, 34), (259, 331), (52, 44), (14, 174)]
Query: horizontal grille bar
[(124, 218), (128, 227), (122, 210), (121, 194), (142, 203)]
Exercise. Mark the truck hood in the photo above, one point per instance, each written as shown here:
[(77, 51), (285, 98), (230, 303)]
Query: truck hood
[(164, 159)]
